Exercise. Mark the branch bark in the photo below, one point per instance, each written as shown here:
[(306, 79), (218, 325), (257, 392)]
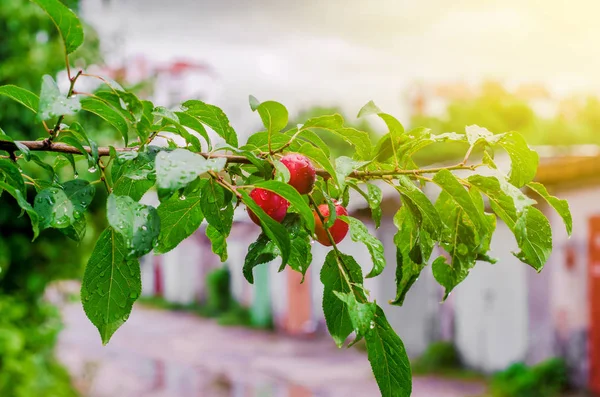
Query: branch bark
[(58, 147)]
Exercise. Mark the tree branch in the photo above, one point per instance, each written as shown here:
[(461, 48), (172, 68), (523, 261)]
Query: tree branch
[(58, 147)]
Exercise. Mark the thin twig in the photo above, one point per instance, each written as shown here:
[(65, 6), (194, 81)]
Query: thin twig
[(59, 147)]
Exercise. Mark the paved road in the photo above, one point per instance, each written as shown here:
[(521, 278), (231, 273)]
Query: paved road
[(172, 354)]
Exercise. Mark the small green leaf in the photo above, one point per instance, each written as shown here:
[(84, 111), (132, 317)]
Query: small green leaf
[(21, 95), (524, 161), (180, 217), (261, 251), (534, 237), (361, 314), (273, 115), (360, 233), (282, 173), (111, 284), (274, 230), (476, 134), (77, 230), (420, 206), (560, 206), (530, 227), (12, 175), (19, 195), (216, 206), (388, 358), (177, 168), (336, 313), (214, 118), (334, 124), (413, 249), (191, 122), (139, 224), (133, 177), (450, 184), (373, 196), (53, 103), (344, 166), (66, 22), (369, 109), (218, 242), (108, 113), (294, 198)]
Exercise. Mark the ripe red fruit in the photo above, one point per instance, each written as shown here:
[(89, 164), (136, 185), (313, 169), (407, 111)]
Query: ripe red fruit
[(302, 172), (273, 204), (338, 230)]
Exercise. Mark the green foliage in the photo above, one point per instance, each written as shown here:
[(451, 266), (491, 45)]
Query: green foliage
[(27, 334), (194, 186), (439, 357), (546, 379), (218, 291)]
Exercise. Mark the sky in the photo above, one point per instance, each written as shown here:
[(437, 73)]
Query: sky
[(346, 53)]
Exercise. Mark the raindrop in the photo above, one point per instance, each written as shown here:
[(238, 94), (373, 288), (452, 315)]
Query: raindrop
[(182, 197), (372, 325), (144, 227), (92, 169), (75, 175), (133, 295)]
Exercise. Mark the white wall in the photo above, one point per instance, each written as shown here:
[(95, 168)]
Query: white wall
[(491, 309)]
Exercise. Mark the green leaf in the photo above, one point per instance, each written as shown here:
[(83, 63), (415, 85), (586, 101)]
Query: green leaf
[(476, 134), (19, 195), (304, 135), (524, 161), (369, 109), (360, 233), (460, 241), (214, 118), (133, 177), (216, 206), (373, 197), (450, 184), (273, 115), (264, 250), (530, 227), (534, 237), (420, 206), (111, 284), (53, 103), (274, 230), (193, 123), (108, 113), (12, 175), (261, 251), (179, 217), (61, 208), (336, 313), (80, 134), (361, 314), (294, 198), (218, 242), (282, 173), (21, 95), (77, 230), (344, 166), (139, 224), (560, 206), (301, 255), (335, 124), (66, 22), (413, 249), (177, 168), (388, 358)]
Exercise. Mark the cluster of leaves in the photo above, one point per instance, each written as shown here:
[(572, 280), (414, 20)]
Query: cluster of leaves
[(197, 180)]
